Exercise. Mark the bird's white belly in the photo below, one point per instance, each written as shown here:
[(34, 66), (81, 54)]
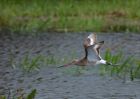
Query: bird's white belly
[(101, 62), (96, 62)]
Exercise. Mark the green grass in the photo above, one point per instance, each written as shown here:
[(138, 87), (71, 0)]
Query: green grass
[(20, 94), (30, 63), (123, 68), (70, 15), (35, 63), (127, 67)]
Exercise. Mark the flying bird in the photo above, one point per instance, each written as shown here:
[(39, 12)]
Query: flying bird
[(92, 53)]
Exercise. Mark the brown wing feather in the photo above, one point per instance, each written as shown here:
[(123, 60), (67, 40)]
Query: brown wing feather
[(81, 62)]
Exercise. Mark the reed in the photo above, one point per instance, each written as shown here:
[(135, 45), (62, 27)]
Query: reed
[(20, 94), (126, 66)]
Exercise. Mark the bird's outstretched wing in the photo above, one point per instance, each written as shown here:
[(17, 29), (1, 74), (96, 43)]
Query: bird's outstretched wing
[(79, 62), (97, 47), (65, 65), (93, 52), (90, 40)]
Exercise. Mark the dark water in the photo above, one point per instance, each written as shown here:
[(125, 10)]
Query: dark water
[(53, 83)]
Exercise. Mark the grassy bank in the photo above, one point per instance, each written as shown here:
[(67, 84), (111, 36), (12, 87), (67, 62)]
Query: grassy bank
[(70, 15)]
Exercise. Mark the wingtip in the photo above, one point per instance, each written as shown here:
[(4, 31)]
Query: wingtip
[(102, 42), (65, 65), (60, 66)]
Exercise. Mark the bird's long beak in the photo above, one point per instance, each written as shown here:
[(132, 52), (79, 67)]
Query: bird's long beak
[(108, 63)]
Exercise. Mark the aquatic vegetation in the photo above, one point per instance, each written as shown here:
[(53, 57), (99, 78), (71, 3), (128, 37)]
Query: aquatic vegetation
[(20, 95), (32, 94), (51, 60), (12, 61), (126, 66), (135, 71), (31, 64), (123, 68)]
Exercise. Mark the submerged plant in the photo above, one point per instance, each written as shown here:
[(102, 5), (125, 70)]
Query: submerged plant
[(20, 94), (35, 62), (125, 65), (135, 72), (12, 59), (51, 60), (32, 94), (30, 64)]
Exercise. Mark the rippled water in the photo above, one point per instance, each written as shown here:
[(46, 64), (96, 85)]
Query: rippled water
[(53, 83)]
